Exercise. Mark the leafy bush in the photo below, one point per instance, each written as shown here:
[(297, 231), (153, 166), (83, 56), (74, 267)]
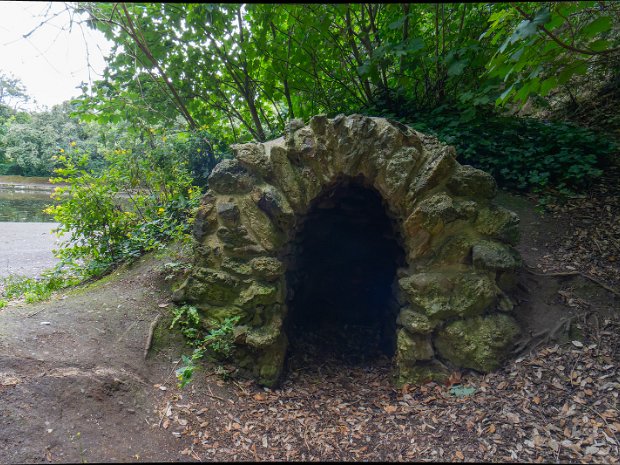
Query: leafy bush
[(138, 202), (216, 344), (521, 153)]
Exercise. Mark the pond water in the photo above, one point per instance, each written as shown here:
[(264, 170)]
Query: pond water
[(24, 206)]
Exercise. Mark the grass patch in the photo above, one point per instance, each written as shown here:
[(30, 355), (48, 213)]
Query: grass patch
[(36, 289)]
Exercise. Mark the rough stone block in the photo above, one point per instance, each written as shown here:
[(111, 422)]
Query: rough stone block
[(479, 343)]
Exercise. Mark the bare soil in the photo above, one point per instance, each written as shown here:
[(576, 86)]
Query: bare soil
[(74, 382), (75, 386)]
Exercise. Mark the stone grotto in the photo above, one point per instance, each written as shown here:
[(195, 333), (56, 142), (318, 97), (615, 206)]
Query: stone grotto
[(356, 220)]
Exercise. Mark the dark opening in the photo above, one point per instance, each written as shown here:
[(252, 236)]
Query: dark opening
[(341, 277)]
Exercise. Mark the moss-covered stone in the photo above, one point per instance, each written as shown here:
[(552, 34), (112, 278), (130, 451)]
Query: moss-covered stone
[(253, 158), (207, 256), (439, 163), (212, 287), (414, 322), (265, 335), (255, 204), (206, 219), (286, 178), (432, 214), (467, 209), (228, 213), (454, 250), (258, 294), (214, 316), (230, 177), (497, 222), (301, 143), (275, 205), (420, 373), (271, 362), (412, 347), (260, 227), (446, 295), (267, 268), (491, 255), (480, 343), (394, 177), (472, 182), (236, 267), (235, 236)]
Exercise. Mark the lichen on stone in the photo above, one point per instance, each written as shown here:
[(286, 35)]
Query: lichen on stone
[(457, 244), (442, 295), (480, 343)]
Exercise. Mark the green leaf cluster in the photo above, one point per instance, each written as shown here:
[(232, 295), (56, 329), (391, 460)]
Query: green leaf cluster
[(216, 344), (522, 153), (143, 198), (37, 289)]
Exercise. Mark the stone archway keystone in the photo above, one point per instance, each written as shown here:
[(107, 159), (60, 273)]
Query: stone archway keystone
[(458, 244)]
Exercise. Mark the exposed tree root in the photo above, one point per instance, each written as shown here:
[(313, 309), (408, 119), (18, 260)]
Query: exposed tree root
[(547, 335), (577, 273), (149, 339)]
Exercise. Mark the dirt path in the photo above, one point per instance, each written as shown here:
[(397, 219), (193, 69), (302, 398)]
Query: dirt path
[(74, 385)]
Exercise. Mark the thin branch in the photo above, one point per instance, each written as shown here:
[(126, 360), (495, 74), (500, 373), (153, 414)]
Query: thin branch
[(560, 42)]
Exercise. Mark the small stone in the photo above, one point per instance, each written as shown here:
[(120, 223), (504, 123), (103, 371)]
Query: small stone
[(257, 294), (230, 177), (267, 268), (415, 323), (497, 222), (229, 213), (491, 255), (253, 157), (421, 372), (432, 214), (472, 182), (211, 286), (410, 347), (505, 303)]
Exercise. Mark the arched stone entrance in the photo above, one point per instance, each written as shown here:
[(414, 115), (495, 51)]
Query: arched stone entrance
[(341, 275), (458, 263)]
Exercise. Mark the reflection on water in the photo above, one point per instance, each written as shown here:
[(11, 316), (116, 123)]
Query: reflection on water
[(24, 205)]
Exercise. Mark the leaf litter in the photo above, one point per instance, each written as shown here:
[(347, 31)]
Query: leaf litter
[(558, 403), (555, 404)]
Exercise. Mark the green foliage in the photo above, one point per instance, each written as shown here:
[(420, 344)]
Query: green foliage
[(37, 289), (215, 344), (138, 202), (174, 269), (522, 153), (188, 320), (28, 142), (256, 65), (545, 45), (12, 91)]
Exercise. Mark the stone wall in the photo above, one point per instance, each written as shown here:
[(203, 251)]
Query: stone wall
[(460, 263)]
